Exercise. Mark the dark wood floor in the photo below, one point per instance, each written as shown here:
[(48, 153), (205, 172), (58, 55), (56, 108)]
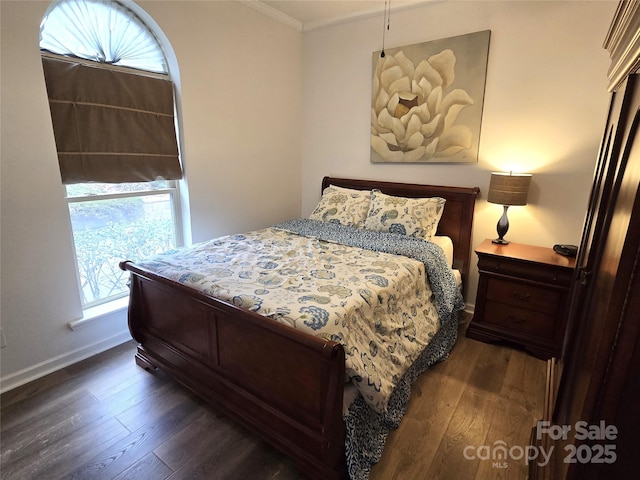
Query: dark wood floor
[(106, 418)]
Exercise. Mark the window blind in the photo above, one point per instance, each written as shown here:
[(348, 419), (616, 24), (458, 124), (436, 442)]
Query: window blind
[(111, 124)]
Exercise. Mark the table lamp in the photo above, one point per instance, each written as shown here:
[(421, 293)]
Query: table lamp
[(507, 189)]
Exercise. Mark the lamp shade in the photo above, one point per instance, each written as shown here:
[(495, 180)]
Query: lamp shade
[(509, 188)]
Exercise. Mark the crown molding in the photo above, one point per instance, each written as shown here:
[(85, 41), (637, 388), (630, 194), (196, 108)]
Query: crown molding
[(372, 12), (623, 42), (273, 13), (306, 27)]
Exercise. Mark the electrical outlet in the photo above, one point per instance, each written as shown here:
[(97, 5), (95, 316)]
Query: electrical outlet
[(3, 341)]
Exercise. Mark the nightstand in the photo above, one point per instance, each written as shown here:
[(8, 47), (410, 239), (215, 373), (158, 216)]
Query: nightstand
[(522, 298)]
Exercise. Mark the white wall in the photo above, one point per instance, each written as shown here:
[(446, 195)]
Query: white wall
[(241, 99), (545, 105)]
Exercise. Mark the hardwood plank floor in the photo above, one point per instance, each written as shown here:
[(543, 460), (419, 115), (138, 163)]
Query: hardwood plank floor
[(106, 418)]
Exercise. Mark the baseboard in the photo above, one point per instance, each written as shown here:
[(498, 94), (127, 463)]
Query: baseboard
[(34, 372)]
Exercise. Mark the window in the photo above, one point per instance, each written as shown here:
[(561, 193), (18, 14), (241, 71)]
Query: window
[(113, 114), (114, 222)]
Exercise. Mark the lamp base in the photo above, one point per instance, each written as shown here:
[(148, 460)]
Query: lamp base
[(500, 241), (502, 227)]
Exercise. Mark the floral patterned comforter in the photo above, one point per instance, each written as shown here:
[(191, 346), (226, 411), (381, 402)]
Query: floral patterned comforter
[(372, 292)]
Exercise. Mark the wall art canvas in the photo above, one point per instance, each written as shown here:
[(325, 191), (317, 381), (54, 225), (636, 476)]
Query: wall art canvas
[(427, 100)]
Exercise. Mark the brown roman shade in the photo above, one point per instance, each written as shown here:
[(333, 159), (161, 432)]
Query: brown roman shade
[(111, 124)]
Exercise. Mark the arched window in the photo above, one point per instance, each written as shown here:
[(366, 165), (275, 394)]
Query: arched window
[(114, 120), (105, 32)]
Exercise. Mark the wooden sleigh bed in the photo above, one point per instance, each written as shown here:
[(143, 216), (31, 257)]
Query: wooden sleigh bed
[(281, 383)]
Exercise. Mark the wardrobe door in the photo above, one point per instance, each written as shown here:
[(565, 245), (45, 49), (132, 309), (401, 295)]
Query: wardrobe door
[(616, 131), (592, 242), (601, 293), (618, 399)]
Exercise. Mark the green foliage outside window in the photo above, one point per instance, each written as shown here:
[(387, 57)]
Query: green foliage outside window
[(107, 232)]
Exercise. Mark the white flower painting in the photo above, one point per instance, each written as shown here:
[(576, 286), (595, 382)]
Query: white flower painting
[(427, 99)]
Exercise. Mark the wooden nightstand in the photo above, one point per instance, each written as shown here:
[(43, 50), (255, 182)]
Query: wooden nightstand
[(522, 297)]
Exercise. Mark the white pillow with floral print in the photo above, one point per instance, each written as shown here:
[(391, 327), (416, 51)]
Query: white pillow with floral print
[(417, 217), (343, 205)]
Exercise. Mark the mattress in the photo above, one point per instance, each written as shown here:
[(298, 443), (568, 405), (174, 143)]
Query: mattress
[(447, 248)]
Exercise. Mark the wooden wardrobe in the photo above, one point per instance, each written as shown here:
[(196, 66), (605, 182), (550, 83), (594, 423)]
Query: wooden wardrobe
[(598, 376)]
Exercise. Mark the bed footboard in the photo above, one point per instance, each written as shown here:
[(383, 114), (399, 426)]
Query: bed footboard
[(281, 383)]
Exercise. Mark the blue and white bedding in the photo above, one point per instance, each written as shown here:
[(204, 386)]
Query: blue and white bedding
[(369, 293), (383, 296)]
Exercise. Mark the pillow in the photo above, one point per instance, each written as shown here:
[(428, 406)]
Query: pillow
[(343, 205), (417, 217)]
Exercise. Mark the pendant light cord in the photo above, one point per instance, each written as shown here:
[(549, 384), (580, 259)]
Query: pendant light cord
[(385, 23)]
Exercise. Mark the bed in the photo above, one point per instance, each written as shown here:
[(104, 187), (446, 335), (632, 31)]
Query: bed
[(290, 385)]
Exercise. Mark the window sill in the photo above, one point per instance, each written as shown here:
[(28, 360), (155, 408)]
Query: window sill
[(93, 314)]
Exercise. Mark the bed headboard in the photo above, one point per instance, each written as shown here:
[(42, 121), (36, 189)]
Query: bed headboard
[(457, 218)]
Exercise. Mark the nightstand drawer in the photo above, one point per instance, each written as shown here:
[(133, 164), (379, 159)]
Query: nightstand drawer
[(523, 295), (538, 272), (520, 320)]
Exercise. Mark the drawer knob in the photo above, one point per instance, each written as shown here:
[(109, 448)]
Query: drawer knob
[(515, 319), (521, 296)]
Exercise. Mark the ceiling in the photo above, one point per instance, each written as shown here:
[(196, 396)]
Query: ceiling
[(307, 15)]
